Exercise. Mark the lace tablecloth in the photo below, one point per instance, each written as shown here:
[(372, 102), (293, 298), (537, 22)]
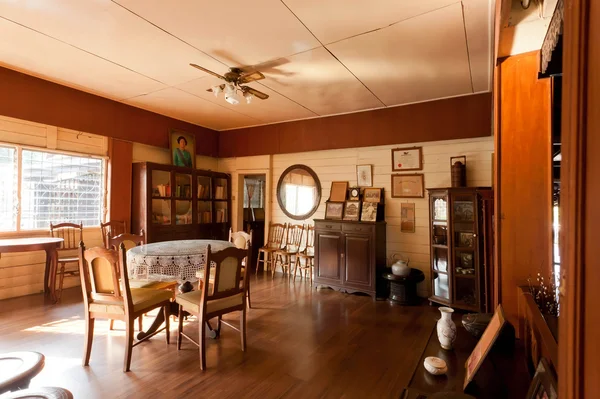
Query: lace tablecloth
[(171, 259)]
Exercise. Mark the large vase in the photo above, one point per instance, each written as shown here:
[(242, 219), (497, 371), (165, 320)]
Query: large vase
[(446, 329)]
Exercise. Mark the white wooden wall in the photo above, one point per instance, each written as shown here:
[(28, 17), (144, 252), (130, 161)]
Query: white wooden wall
[(340, 165), (23, 273)]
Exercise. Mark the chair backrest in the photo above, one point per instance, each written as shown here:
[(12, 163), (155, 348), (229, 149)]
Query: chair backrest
[(129, 240), (112, 229), (294, 237), (240, 239), (309, 247), (99, 270), (71, 233), (276, 234), (227, 276)]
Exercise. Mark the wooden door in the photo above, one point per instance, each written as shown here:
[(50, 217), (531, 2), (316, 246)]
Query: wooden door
[(357, 257), (327, 260)]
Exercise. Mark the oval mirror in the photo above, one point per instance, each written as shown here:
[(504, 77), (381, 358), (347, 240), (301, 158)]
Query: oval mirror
[(299, 192)]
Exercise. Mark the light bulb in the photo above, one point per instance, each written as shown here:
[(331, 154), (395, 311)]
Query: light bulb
[(232, 98), (216, 90)]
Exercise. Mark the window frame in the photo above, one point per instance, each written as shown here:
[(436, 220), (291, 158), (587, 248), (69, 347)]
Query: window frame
[(19, 160)]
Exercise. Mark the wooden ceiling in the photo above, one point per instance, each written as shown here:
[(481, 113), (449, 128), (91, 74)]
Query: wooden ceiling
[(319, 57)]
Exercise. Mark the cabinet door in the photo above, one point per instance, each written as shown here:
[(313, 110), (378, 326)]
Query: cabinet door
[(327, 259), (358, 260)]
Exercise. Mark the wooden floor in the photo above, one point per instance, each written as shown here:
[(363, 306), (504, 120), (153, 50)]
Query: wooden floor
[(302, 343)]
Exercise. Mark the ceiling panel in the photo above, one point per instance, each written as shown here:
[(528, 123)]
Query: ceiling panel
[(353, 17), (111, 32), (276, 108), (478, 17), (187, 107), (420, 59), (236, 32), (29, 52), (319, 82)]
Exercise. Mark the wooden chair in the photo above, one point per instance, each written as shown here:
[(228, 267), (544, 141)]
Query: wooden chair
[(105, 297), (112, 229), (283, 257), (242, 240), (307, 255), (228, 295), (275, 238), (72, 234)]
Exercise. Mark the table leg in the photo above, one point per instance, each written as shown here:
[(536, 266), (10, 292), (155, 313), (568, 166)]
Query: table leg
[(160, 318), (50, 268)]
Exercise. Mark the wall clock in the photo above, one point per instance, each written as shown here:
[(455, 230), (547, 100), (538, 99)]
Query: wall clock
[(354, 194)]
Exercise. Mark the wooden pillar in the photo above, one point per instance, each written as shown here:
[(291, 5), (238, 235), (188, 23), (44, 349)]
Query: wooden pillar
[(119, 180)]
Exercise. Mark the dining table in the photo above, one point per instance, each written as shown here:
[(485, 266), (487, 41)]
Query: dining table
[(27, 244), (177, 260)]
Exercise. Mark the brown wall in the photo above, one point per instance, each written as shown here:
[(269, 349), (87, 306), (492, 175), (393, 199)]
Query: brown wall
[(119, 180), (26, 97), (454, 118), (525, 178)]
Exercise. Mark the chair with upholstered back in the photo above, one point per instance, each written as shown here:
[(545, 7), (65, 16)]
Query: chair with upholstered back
[(307, 254), (72, 235), (224, 294), (112, 229), (283, 257), (274, 242), (106, 294)]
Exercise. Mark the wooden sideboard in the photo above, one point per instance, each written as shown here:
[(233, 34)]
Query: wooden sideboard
[(350, 256)]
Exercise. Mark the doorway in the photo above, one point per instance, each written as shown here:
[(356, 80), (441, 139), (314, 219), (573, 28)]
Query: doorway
[(252, 207)]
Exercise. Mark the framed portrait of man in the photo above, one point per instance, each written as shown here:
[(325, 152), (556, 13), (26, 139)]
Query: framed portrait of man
[(183, 148)]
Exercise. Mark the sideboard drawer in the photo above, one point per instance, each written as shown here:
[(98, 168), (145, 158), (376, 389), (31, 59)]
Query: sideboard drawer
[(358, 228), (333, 226)]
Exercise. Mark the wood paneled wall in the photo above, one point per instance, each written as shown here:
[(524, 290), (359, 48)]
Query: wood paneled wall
[(524, 220), (37, 100), (448, 119), (119, 177)]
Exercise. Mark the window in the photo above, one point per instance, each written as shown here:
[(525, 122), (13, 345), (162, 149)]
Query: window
[(54, 187), (299, 199)]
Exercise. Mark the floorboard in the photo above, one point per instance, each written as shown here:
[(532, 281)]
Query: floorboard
[(301, 343)]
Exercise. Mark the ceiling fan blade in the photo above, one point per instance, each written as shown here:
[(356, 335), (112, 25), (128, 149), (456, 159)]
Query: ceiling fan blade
[(221, 86), (207, 71), (255, 92), (250, 77)]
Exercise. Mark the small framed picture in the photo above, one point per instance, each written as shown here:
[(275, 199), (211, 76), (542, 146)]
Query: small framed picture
[(408, 186), (372, 195), (407, 219), (364, 175), (466, 260), (183, 148), (352, 210), (334, 210), (404, 159), (465, 240), (369, 212), (354, 193), (338, 191), (543, 385)]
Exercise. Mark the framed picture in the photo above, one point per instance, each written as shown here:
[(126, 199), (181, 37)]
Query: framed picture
[(369, 212), (484, 345), (464, 211), (372, 195), (407, 159), (543, 385), (408, 186), (466, 260), (354, 193), (334, 210), (352, 210), (407, 218), (338, 191), (183, 148), (465, 240), (364, 175)]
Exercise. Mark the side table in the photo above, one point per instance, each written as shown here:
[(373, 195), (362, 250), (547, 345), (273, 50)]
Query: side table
[(403, 289)]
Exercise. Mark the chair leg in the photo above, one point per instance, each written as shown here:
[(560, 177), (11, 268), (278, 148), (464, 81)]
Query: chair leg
[(167, 323), (89, 337), (179, 327), (202, 343), (219, 324), (111, 324), (60, 283), (243, 329), (128, 345), (258, 261), (140, 323), (248, 295)]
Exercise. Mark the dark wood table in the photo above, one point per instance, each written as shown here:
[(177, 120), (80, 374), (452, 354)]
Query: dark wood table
[(503, 374), (47, 244)]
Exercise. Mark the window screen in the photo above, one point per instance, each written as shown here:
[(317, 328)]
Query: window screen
[(8, 189), (60, 188)]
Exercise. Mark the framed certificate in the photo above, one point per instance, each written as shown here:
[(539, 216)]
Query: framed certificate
[(407, 159), (408, 186)]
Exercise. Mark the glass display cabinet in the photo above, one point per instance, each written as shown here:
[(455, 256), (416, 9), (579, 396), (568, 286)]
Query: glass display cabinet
[(175, 203), (461, 247)]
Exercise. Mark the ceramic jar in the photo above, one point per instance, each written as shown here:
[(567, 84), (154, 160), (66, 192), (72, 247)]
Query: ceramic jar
[(446, 329)]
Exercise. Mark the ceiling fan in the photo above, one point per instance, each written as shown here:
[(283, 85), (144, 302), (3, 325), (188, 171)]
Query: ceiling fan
[(234, 81)]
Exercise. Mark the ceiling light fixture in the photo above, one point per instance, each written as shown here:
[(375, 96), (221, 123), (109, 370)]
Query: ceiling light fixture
[(216, 90), (248, 96)]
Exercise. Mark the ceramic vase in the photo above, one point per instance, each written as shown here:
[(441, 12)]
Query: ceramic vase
[(446, 329)]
